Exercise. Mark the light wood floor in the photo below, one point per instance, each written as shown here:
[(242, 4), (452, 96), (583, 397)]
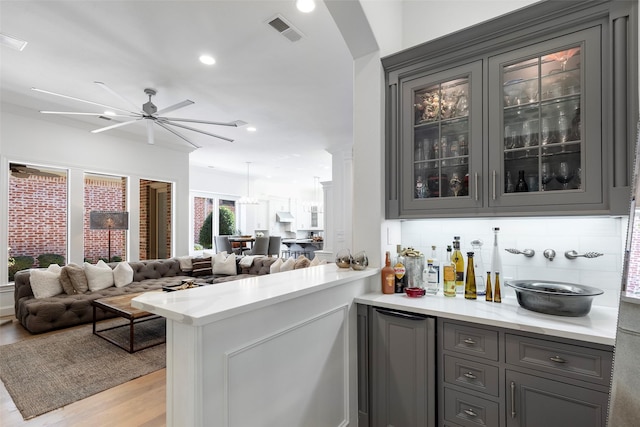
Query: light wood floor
[(138, 403)]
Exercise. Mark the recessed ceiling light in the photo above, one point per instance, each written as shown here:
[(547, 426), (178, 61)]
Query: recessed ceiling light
[(305, 6), (251, 129), (207, 59), (109, 113)]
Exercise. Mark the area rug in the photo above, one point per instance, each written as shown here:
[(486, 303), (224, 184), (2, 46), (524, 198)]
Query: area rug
[(45, 373)]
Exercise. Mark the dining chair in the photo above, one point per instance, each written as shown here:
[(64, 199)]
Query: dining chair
[(223, 244), (260, 246), (274, 245)]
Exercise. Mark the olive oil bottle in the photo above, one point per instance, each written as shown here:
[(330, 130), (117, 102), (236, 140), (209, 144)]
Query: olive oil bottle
[(458, 260)]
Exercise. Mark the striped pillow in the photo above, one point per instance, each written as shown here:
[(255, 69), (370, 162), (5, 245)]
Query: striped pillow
[(201, 267)]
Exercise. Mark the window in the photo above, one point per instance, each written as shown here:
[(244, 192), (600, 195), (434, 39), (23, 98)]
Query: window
[(37, 216), (104, 193), (211, 217)]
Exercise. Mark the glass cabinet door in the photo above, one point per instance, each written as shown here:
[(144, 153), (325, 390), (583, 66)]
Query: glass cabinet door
[(439, 143), (544, 151)]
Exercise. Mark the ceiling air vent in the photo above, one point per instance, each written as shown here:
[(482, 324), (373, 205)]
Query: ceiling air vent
[(279, 24)]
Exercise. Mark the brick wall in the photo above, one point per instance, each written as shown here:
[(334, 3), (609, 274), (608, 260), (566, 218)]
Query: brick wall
[(202, 206), (103, 194), (37, 215)]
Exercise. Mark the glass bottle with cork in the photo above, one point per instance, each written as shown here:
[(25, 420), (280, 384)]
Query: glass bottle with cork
[(388, 276), (400, 271), (458, 259), (431, 277), (488, 290), (470, 282), (497, 297), (449, 275), (436, 262)]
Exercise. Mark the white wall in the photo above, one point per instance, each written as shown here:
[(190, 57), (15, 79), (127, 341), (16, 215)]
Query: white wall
[(582, 234), (27, 137)]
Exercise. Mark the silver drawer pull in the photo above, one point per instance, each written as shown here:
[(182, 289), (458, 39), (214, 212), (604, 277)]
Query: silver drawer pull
[(470, 375), (469, 341), (470, 412), (513, 399), (557, 359)]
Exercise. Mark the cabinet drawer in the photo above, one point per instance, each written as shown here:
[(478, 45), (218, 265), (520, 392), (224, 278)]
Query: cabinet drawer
[(470, 340), (470, 411), (471, 375), (572, 361)]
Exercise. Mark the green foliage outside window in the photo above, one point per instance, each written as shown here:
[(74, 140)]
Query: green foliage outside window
[(227, 221), (22, 262)]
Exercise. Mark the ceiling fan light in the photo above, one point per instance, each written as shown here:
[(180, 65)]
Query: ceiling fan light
[(207, 59), (150, 135), (305, 6)]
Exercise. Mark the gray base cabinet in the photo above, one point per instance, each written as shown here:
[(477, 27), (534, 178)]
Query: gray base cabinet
[(401, 369), (494, 377)]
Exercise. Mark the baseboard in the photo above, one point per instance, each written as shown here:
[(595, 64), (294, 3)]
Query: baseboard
[(6, 300)]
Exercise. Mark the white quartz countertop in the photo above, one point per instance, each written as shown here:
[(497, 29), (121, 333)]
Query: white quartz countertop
[(599, 326), (206, 304)]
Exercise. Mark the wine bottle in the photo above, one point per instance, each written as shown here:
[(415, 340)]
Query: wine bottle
[(399, 272), (470, 283), (489, 291), (449, 275), (496, 292), (521, 186), (458, 259), (388, 276)]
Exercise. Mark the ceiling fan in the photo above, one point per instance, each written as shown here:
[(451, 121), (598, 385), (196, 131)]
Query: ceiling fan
[(24, 171), (149, 113)]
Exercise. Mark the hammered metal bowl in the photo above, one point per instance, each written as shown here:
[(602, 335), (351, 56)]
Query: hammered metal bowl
[(557, 298)]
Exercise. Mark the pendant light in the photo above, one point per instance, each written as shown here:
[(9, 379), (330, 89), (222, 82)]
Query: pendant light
[(248, 200)]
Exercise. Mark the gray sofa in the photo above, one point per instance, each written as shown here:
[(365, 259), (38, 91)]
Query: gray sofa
[(64, 310)]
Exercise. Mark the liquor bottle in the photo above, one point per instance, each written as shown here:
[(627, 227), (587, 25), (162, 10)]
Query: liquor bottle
[(432, 278), (388, 276), (496, 292), (489, 291), (436, 262), (458, 259), (449, 275), (496, 261), (478, 266), (400, 271), (521, 186), (470, 283)]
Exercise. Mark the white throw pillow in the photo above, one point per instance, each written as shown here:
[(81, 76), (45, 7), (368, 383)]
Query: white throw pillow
[(223, 264), (315, 261), (46, 283), (185, 263), (99, 276), (122, 274), (275, 267), (288, 264)]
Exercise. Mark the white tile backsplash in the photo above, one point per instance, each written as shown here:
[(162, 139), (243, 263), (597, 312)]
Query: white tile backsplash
[(606, 235)]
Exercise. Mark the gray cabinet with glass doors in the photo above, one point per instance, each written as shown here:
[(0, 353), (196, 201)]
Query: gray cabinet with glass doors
[(515, 116), (445, 150), (545, 146)]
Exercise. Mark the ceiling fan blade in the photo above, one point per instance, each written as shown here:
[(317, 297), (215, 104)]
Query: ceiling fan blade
[(75, 113), (117, 125), (174, 107), (120, 97), (177, 119), (196, 130), (82, 100), (176, 133)]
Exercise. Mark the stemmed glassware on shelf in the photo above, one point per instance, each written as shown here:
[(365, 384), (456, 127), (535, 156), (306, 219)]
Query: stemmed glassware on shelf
[(565, 175), (546, 175)]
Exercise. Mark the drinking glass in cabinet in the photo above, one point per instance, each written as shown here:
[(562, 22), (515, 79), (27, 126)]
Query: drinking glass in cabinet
[(565, 175), (546, 175)]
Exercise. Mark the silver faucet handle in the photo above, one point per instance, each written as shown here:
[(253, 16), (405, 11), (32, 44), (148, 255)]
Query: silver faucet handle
[(573, 254), (550, 254), (527, 252)]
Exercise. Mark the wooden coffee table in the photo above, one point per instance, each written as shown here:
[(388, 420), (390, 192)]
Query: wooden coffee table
[(121, 306)]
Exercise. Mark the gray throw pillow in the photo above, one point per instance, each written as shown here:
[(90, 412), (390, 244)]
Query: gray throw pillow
[(73, 279), (201, 267)]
